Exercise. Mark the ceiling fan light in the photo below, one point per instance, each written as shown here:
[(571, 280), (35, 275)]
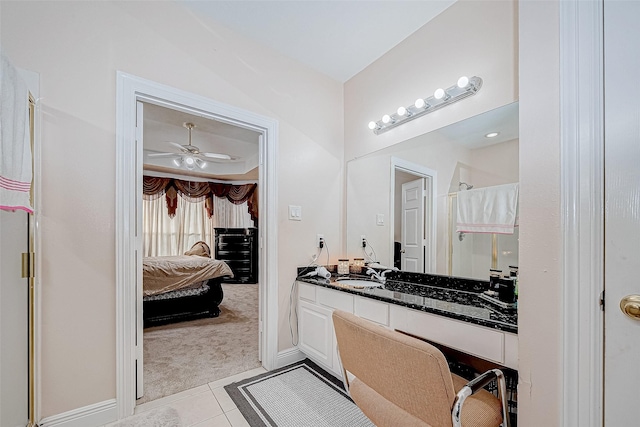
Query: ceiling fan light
[(189, 162)]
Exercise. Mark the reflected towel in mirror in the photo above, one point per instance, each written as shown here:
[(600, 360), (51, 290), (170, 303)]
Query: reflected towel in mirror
[(488, 210)]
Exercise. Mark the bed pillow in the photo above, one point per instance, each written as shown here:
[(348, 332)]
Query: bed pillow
[(199, 248)]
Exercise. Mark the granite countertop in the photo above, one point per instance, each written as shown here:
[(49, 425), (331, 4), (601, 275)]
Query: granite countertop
[(454, 298)]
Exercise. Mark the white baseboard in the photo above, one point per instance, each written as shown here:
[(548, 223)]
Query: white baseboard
[(94, 415), (289, 356)]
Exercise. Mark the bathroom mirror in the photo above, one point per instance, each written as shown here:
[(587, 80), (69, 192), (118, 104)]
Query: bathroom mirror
[(385, 204)]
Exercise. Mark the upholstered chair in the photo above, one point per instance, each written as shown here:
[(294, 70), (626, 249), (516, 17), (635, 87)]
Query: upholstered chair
[(400, 381)]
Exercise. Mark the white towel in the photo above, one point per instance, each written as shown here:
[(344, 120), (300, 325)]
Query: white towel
[(488, 210), (15, 143)]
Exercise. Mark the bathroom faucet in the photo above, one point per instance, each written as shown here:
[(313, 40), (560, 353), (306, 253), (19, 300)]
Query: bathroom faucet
[(380, 277)]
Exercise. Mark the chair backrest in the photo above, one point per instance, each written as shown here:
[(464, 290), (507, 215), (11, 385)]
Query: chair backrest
[(410, 373)]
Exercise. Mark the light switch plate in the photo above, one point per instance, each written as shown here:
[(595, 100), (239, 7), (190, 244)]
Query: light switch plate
[(380, 219), (295, 213)]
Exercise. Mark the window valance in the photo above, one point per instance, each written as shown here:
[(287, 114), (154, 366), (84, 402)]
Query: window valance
[(155, 187)]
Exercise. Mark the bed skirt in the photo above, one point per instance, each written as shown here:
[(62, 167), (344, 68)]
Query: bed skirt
[(183, 305)]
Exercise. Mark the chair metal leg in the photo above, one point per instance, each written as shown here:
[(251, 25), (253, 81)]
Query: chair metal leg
[(477, 384)]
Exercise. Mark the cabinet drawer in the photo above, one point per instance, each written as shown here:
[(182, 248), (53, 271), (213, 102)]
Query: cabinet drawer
[(511, 350), (233, 255), (335, 299), (373, 310), (478, 341), (307, 292)]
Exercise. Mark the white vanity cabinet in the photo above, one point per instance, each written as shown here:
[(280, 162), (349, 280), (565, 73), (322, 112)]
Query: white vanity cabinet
[(317, 338), (490, 344)]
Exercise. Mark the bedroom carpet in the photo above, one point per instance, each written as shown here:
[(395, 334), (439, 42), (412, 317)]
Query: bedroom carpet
[(185, 355)]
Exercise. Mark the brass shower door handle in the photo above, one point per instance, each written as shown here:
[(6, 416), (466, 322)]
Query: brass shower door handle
[(630, 305)]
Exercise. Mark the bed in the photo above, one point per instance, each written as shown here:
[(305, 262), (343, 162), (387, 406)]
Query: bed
[(182, 287)]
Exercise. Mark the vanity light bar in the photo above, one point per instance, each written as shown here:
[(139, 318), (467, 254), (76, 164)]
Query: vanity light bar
[(441, 98)]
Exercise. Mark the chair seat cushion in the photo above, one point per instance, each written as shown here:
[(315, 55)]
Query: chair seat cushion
[(479, 410)]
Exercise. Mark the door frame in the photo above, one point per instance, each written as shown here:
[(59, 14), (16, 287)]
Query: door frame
[(430, 216), (129, 172), (582, 210), (32, 79)]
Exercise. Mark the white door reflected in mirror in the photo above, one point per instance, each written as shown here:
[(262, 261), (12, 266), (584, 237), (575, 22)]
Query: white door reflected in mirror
[(412, 254)]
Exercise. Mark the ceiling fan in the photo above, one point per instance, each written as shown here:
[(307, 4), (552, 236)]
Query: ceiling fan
[(190, 155)]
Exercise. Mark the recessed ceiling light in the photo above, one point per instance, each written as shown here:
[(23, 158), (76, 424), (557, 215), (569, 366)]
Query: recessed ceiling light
[(492, 134)]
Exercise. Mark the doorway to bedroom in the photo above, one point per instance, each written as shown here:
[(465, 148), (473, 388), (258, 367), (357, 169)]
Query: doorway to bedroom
[(132, 95), (200, 223)]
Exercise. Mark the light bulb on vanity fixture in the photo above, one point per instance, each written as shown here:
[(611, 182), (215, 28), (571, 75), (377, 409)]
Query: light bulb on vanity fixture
[(440, 94), (464, 87), (463, 82), (420, 104)]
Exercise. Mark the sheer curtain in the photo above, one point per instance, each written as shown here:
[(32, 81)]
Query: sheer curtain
[(228, 215), (165, 236)]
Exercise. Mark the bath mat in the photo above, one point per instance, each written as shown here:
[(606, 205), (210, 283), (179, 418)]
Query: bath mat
[(298, 395)]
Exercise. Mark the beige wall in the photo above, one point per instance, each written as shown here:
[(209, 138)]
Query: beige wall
[(470, 38), (540, 285), (493, 165), (77, 47)]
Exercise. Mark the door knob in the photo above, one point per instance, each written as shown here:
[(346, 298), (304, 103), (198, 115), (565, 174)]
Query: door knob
[(630, 305)]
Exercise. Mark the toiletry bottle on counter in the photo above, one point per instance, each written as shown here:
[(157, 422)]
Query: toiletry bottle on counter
[(343, 266), (494, 281), (506, 291), (513, 273)]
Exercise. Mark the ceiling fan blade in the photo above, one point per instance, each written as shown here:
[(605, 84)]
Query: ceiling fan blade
[(163, 154), (217, 156), (175, 144)]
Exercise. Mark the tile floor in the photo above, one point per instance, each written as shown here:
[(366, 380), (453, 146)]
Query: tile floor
[(205, 406)]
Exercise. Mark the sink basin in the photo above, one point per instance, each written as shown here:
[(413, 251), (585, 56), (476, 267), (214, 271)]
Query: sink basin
[(359, 283)]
